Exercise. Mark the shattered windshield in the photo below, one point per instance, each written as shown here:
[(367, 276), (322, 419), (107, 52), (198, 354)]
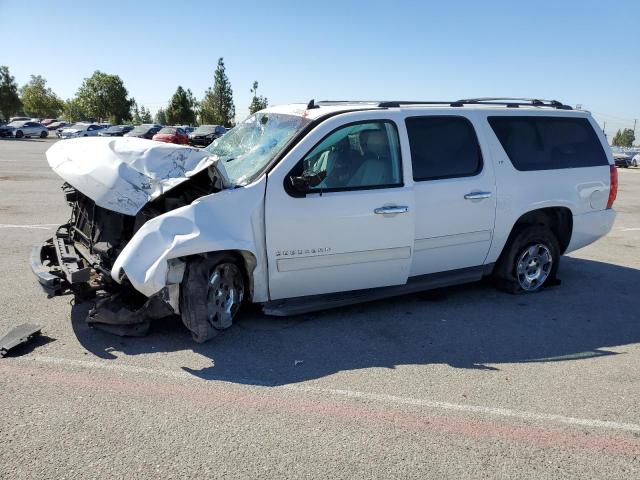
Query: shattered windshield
[(246, 149)]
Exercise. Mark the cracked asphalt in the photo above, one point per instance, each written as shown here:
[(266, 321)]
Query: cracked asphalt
[(464, 382)]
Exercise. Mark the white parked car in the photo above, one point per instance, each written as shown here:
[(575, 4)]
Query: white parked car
[(635, 161), (302, 208), (21, 128), (80, 130)]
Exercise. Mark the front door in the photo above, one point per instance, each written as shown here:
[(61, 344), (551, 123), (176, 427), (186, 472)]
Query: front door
[(352, 231)]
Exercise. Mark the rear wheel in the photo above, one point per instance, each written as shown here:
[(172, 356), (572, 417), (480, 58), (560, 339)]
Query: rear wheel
[(530, 260), (212, 293)]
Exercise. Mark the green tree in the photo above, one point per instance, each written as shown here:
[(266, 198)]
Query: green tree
[(161, 117), (9, 100), (135, 113), (104, 96), (217, 106), (257, 102), (624, 138), (40, 101), (73, 111), (181, 109), (145, 115)]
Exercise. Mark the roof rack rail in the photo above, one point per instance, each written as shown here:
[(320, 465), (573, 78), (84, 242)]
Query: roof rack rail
[(505, 101), (516, 102)]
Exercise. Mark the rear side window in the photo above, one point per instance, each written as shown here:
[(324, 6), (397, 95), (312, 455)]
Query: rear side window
[(547, 143), (443, 147)]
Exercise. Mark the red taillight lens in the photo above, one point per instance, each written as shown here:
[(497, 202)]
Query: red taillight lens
[(613, 191)]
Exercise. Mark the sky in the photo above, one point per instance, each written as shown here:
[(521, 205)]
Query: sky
[(579, 52)]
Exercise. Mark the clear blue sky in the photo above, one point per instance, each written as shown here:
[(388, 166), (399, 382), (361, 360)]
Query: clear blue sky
[(580, 52)]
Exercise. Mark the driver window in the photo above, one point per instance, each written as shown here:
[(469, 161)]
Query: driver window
[(357, 156)]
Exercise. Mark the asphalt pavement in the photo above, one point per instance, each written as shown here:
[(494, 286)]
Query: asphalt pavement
[(464, 382)]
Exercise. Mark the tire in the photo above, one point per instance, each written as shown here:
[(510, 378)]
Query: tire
[(44, 134), (19, 134), (529, 261), (211, 294)]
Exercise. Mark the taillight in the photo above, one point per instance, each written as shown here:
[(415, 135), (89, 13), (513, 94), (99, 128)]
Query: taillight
[(613, 191)]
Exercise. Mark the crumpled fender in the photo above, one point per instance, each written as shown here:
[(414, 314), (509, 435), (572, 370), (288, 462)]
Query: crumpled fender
[(231, 219)]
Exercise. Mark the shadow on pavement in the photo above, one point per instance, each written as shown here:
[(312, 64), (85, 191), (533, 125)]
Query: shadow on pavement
[(469, 326)]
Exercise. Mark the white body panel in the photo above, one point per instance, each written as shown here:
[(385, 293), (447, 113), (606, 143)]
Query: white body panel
[(123, 174), (451, 231)]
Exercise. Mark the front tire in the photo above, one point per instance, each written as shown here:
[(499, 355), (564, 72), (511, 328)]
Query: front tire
[(211, 295), (44, 134), (529, 261), (19, 134)]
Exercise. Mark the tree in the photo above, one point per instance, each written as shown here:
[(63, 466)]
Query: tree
[(161, 117), (135, 113), (624, 138), (145, 115), (72, 111), (40, 101), (217, 106), (9, 100), (257, 103), (104, 96), (181, 109)]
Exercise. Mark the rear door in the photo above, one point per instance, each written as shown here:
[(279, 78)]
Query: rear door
[(454, 190), (352, 231)]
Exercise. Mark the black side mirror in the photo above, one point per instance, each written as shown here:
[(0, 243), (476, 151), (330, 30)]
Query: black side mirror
[(307, 181)]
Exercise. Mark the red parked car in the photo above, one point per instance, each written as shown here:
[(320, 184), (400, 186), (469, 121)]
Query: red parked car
[(172, 135)]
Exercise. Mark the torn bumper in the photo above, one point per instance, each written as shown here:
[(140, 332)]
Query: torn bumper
[(59, 267)]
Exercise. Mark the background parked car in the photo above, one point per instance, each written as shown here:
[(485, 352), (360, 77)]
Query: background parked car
[(19, 129), (205, 134), (57, 125), (635, 161), (19, 119), (80, 130), (115, 131), (48, 121), (622, 159), (172, 135), (144, 131)]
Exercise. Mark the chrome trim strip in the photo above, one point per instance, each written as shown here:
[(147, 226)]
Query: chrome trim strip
[(341, 259), (450, 240)]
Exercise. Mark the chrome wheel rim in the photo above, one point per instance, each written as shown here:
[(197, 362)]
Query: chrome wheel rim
[(534, 266), (225, 291)]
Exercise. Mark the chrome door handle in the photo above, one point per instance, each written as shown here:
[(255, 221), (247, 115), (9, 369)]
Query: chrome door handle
[(477, 195), (391, 209)]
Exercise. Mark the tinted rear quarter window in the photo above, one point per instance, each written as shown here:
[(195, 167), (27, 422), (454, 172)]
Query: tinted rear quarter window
[(547, 143), (443, 147)]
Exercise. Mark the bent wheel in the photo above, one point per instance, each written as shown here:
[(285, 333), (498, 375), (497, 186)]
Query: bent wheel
[(212, 293)]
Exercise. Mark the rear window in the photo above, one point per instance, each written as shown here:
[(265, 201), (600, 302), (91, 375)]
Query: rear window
[(168, 130), (547, 143), (443, 147)]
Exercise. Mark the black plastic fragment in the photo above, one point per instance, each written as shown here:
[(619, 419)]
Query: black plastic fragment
[(18, 336)]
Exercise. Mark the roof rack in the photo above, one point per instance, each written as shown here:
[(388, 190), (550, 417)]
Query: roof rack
[(508, 102)]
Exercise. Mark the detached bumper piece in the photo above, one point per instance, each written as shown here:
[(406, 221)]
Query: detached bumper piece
[(124, 316), (17, 336), (59, 267)]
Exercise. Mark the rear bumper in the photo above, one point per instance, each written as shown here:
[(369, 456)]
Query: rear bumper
[(589, 227)]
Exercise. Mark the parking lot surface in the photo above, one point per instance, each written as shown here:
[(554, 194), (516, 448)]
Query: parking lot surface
[(465, 382)]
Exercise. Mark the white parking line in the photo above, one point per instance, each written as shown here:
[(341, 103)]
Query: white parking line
[(43, 226), (376, 397), (633, 229)]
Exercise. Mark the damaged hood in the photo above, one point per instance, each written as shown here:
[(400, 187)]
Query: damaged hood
[(125, 173)]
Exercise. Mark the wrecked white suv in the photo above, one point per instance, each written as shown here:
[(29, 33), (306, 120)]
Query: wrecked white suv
[(307, 207)]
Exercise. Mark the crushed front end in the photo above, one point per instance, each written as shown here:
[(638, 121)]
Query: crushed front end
[(79, 257)]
